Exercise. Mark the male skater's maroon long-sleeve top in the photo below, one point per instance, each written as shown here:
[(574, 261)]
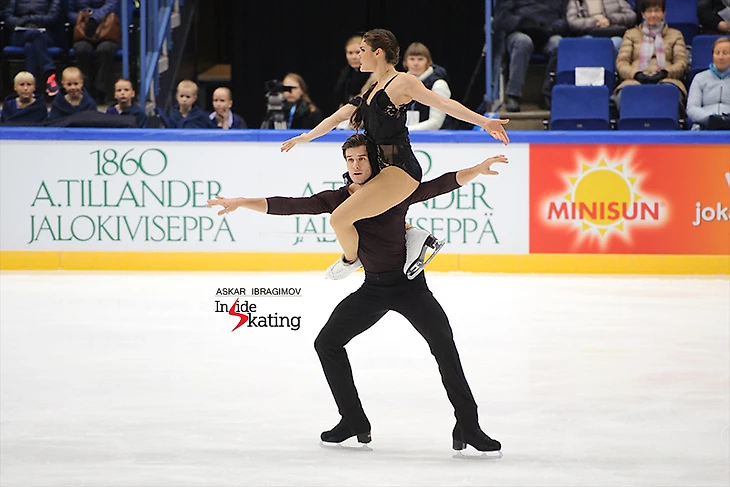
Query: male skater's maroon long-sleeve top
[(382, 238)]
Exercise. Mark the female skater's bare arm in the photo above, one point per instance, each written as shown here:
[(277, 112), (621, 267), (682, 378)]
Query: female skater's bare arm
[(414, 88), (325, 126)]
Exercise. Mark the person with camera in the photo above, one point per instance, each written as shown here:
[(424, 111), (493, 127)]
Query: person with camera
[(300, 110), (97, 36)]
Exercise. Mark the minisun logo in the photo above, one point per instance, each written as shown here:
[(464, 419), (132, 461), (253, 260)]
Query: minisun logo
[(245, 313), (603, 199)]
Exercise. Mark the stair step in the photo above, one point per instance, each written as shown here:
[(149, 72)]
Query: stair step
[(530, 118)]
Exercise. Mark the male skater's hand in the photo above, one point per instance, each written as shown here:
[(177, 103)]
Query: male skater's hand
[(486, 166), (228, 204)]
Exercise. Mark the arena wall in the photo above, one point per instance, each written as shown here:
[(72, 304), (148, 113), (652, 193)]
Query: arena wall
[(599, 202)]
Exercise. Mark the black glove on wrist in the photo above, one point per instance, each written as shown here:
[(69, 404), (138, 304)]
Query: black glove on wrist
[(642, 77)]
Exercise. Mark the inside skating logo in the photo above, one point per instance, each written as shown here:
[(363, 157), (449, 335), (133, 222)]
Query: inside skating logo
[(252, 314), (604, 200)]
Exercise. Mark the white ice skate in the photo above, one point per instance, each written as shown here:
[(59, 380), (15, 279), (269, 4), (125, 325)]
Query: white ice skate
[(340, 270), (418, 243)]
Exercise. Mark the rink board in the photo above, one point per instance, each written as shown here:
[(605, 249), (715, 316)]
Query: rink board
[(88, 199)]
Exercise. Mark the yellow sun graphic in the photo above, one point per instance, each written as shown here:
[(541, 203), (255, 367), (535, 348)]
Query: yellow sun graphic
[(603, 197)]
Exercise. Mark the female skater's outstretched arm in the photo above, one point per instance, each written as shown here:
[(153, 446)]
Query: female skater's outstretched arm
[(326, 125)]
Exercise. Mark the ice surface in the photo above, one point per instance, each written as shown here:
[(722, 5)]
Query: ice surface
[(122, 379)]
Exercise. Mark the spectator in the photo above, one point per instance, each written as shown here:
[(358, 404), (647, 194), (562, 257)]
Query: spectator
[(222, 116), (714, 16), (352, 82), (22, 107), (652, 52), (601, 18), (301, 112), (530, 25), (709, 94), (186, 114), (124, 94), (94, 55), (75, 99), (33, 22), (417, 60)]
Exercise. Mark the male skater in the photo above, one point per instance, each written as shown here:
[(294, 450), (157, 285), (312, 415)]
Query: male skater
[(386, 288)]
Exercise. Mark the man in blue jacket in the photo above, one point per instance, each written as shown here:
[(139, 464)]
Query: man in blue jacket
[(530, 26)]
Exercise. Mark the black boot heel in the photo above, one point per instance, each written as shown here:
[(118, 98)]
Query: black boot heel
[(364, 437), (459, 445)]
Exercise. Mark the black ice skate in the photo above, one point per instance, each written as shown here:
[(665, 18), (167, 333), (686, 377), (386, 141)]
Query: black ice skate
[(478, 439), (418, 244), (342, 432)]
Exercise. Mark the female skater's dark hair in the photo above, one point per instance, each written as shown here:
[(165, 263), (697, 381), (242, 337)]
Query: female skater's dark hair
[(377, 39)]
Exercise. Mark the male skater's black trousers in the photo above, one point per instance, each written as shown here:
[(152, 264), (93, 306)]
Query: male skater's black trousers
[(359, 311)]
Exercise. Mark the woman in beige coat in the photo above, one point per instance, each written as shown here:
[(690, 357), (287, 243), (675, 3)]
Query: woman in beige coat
[(652, 52)]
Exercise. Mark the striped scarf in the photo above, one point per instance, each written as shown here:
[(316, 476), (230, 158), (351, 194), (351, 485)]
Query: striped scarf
[(652, 43)]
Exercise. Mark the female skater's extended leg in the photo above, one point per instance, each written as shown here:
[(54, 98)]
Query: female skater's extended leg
[(384, 191)]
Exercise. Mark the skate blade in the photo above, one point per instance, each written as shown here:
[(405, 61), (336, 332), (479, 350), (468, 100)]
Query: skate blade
[(339, 446), (418, 266), (483, 456)]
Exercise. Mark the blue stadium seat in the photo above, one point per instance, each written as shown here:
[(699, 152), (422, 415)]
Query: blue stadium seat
[(585, 52), (682, 15), (579, 108), (701, 53), (649, 107)]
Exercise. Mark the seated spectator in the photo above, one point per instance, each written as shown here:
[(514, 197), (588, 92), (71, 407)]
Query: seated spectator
[(301, 112), (530, 25), (33, 23), (222, 116), (186, 114), (75, 98), (93, 54), (652, 52), (124, 94), (23, 107), (600, 18), (352, 82), (714, 16), (417, 60), (709, 94)]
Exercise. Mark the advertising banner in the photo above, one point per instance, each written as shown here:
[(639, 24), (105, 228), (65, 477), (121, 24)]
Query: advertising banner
[(151, 196), (630, 199)]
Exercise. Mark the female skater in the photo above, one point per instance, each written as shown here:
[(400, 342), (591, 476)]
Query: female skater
[(381, 112)]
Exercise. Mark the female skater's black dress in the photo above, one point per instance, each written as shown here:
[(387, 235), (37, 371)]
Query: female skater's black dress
[(387, 134)]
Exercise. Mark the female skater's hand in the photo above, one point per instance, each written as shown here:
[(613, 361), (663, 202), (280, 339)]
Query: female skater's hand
[(494, 126), (486, 166), (289, 144), (228, 204)]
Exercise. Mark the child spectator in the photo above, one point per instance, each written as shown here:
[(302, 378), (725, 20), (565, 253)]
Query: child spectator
[(75, 99), (186, 114), (23, 108), (124, 94), (222, 116)]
